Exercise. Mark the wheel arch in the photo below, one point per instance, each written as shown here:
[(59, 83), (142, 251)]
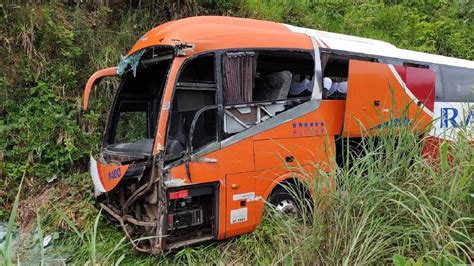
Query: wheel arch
[(292, 179)]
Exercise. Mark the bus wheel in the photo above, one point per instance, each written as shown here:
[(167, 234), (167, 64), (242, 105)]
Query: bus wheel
[(284, 202)]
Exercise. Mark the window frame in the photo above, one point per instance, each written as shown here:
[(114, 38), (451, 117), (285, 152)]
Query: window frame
[(296, 100), (176, 88), (154, 105), (349, 56), (118, 113)]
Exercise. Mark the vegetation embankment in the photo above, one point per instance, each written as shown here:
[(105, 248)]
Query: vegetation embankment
[(389, 205)]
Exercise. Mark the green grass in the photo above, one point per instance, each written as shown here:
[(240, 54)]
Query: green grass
[(50, 50), (7, 251), (391, 206)]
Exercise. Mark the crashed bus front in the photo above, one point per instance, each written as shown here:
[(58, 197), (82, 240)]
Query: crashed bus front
[(214, 116), (127, 169), (130, 182)]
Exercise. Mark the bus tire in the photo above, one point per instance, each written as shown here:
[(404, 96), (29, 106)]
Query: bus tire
[(284, 202)]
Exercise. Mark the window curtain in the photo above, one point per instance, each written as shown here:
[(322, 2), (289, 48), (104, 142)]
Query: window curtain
[(239, 71)]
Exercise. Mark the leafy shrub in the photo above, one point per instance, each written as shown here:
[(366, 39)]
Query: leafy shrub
[(391, 209), (41, 132)]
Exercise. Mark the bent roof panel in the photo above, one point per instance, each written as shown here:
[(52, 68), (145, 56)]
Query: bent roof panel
[(214, 32), (208, 33)]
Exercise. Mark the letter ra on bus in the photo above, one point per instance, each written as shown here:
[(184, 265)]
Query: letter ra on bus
[(449, 115)]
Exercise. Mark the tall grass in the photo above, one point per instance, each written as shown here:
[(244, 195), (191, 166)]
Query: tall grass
[(391, 204), (7, 251)]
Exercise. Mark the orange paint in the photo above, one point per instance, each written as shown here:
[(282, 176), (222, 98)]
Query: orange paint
[(213, 33), (110, 175), (240, 192), (93, 80), (302, 148), (165, 106), (374, 98)]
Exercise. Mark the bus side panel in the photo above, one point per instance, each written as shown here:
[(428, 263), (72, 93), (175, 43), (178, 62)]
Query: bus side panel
[(293, 152), (235, 158), (308, 156), (421, 82), (267, 180), (225, 162), (377, 99), (326, 120)]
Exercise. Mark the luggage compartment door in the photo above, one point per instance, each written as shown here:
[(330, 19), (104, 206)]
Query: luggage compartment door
[(381, 96), (241, 203)]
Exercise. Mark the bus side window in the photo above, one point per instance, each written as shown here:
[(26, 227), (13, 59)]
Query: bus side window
[(335, 74), (283, 75), (260, 85), (458, 84), (265, 76), (196, 88), (411, 64)]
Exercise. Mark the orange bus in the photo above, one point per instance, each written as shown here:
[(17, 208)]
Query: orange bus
[(211, 111)]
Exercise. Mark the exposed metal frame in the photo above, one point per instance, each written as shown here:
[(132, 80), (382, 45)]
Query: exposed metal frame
[(219, 94), (281, 118), (261, 107), (189, 144)]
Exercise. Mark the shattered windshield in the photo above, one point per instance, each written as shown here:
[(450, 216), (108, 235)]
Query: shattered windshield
[(132, 122)]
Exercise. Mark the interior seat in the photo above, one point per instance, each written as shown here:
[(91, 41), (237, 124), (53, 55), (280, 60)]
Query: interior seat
[(273, 87)]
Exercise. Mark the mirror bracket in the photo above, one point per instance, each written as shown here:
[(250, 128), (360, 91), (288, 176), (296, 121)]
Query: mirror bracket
[(93, 80)]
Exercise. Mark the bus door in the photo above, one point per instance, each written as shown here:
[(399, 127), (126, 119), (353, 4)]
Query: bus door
[(381, 96)]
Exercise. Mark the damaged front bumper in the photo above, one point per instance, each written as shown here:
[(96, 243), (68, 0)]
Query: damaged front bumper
[(154, 217), (134, 196)]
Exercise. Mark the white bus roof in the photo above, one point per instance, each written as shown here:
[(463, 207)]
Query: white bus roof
[(367, 46)]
